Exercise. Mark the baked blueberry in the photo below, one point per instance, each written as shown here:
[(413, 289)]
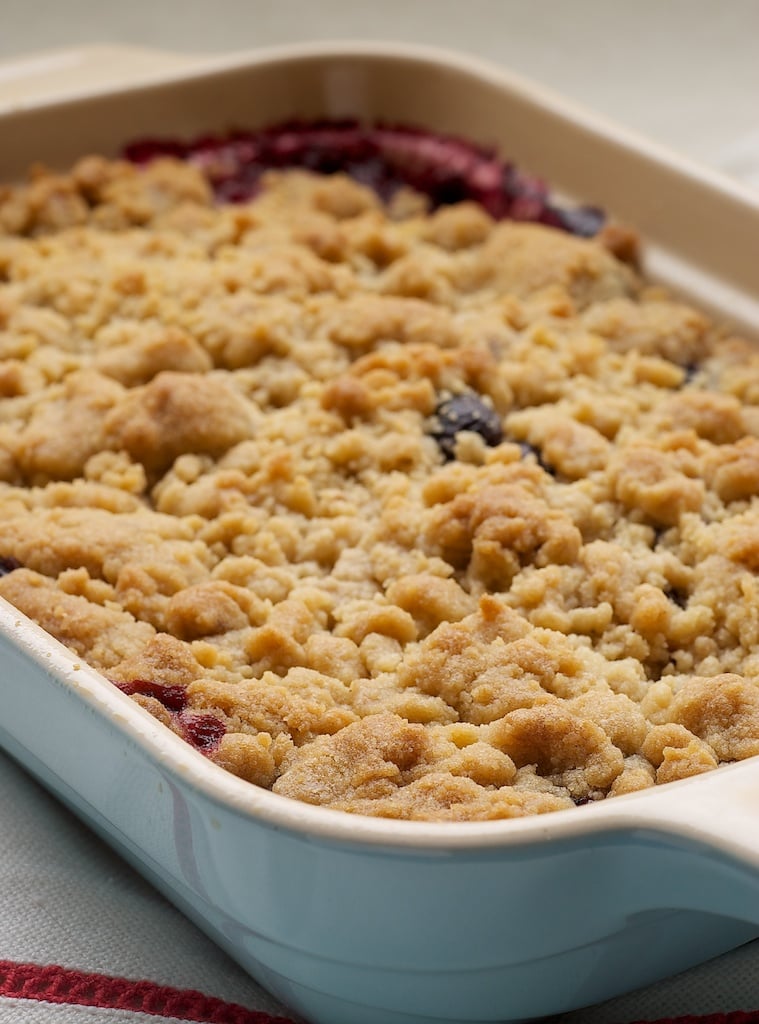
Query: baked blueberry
[(583, 221), (8, 564), (690, 369), (465, 412), (530, 449)]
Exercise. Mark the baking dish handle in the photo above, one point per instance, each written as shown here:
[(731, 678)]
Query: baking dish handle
[(58, 74), (709, 824)]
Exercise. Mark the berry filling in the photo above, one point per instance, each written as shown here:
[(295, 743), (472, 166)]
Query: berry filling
[(383, 157), (202, 730), (173, 698), (8, 564)]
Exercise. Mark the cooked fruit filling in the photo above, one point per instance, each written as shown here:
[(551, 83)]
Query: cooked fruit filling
[(386, 158)]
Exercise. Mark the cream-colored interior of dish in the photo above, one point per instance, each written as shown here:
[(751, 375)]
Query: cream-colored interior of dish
[(220, 475)]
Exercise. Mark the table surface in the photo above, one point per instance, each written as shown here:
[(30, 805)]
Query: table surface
[(684, 72)]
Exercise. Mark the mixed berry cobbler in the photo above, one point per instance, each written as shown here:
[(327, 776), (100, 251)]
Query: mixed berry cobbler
[(375, 479)]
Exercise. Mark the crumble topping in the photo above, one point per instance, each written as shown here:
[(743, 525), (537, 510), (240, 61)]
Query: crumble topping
[(405, 513)]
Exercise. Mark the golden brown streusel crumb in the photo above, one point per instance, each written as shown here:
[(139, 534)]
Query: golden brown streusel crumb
[(221, 478)]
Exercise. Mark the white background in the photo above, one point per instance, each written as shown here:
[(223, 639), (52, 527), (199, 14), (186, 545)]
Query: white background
[(683, 71)]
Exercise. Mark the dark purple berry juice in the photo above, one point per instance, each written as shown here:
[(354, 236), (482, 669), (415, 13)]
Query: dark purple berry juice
[(383, 157)]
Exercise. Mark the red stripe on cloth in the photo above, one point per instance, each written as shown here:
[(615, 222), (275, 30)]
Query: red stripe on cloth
[(53, 984)]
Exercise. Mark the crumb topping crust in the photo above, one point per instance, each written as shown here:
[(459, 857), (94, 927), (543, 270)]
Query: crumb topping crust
[(408, 514)]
